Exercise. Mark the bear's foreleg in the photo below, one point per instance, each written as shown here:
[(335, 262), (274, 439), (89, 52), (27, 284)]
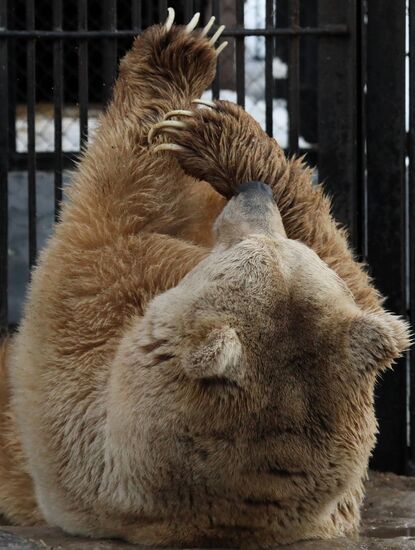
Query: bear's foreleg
[(225, 146)]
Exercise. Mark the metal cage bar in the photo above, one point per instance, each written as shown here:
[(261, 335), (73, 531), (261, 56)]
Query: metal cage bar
[(411, 235), (216, 81), (163, 5), (240, 54), (12, 79), (4, 170), (188, 10), (386, 145), (83, 73), (109, 57), (324, 30), (58, 104), (294, 79), (269, 78), (136, 15), (337, 108), (31, 135)]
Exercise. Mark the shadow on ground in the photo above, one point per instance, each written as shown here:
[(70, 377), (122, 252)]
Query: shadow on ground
[(388, 524)]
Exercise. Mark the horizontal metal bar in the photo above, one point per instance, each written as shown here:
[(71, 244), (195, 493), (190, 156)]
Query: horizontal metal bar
[(331, 30), (44, 161)]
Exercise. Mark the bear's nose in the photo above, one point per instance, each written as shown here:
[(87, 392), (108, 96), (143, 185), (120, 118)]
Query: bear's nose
[(252, 210), (255, 187)]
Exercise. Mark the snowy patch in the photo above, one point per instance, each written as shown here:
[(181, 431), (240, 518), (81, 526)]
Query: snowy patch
[(45, 130), (279, 68)]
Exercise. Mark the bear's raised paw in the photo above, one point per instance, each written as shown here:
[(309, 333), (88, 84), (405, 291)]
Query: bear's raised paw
[(208, 140), (190, 27)]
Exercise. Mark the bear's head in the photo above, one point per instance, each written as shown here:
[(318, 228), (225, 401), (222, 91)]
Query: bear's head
[(257, 371), (262, 307)]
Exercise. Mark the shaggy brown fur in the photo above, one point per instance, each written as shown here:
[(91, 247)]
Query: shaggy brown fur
[(235, 408)]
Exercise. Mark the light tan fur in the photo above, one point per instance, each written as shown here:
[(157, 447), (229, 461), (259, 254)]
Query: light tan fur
[(180, 382)]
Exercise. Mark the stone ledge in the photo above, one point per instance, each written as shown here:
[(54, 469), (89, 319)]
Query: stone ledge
[(388, 524)]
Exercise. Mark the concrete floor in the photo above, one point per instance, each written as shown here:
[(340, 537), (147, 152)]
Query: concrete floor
[(388, 524)]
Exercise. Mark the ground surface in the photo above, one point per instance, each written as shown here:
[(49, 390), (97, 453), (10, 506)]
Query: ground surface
[(388, 524)]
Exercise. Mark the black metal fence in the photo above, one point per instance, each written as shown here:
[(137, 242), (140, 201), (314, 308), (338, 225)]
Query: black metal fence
[(330, 79)]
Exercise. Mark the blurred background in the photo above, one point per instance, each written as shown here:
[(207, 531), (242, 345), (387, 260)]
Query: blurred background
[(329, 79)]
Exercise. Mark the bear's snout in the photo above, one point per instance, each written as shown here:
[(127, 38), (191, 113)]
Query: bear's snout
[(252, 210), (256, 187)]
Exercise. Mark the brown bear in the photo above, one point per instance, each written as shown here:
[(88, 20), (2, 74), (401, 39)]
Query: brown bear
[(198, 354)]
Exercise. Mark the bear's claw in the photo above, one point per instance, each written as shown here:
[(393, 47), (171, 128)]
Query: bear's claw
[(205, 102), (178, 112), (192, 24), (170, 18), (165, 125), (172, 126), (221, 47), (208, 26), (216, 35), (169, 147)]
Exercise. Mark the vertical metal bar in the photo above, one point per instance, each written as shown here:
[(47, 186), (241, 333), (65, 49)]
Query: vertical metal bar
[(58, 103), (361, 134), (269, 77), (31, 139), (136, 15), (162, 10), (240, 54), (83, 73), (294, 79), (411, 229), (109, 23), (337, 113), (216, 82), (188, 10), (198, 5), (12, 79), (386, 145), (308, 74), (150, 12), (4, 169)]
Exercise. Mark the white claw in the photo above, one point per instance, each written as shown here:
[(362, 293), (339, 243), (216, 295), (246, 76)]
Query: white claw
[(169, 147), (170, 19), (205, 102), (221, 48), (164, 124), (208, 26), (178, 112), (192, 23), (217, 34)]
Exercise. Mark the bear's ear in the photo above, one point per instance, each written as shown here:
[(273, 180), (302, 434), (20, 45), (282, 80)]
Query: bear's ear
[(378, 339), (218, 356)]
